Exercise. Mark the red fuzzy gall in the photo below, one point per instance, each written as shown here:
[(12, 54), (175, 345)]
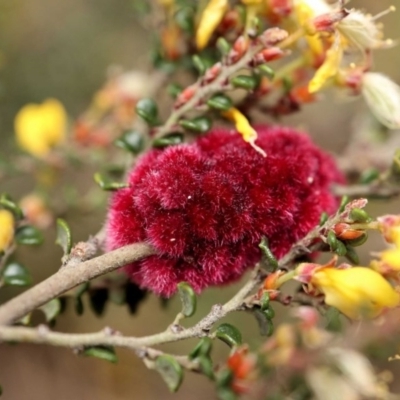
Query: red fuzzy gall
[(205, 206)]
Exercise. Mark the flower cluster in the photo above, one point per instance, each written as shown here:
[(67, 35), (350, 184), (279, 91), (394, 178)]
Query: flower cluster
[(333, 42), (206, 206)]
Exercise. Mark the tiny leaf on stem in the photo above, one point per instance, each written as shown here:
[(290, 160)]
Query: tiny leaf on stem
[(29, 235), (188, 299), (169, 140), (199, 124), (229, 334), (131, 141), (15, 274), (64, 238), (106, 353), (106, 184), (8, 203), (51, 309), (170, 370), (147, 109)]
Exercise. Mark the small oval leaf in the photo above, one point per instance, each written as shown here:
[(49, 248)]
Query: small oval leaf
[(360, 215), (147, 109), (15, 274), (352, 255), (220, 102), (64, 238), (206, 366), (51, 309), (131, 141), (106, 353), (203, 347), (272, 261), (200, 124), (7, 202), (170, 140), (188, 299), (29, 235), (106, 183), (244, 82), (170, 370), (229, 334), (267, 71)]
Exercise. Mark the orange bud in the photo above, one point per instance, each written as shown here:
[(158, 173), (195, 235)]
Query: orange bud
[(270, 54), (185, 95), (212, 72), (238, 50), (345, 232)]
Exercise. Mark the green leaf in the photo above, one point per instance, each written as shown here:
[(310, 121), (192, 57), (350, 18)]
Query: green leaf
[(51, 309), (106, 353), (343, 203), (359, 215), (226, 394), (147, 109), (244, 82), (203, 347), (107, 184), (267, 71), (29, 235), (265, 325), (332, 240), (170, 370), (64, 238), (170, 140), (199, 64), (224, 378), (15, 274), (220, 102), (269, 313), (341, 249), (185, 19), (352, 255), (223, 46), (98, 300), (324, 217), (358, 241), (395, 167), (265, 301), (206, 366), (369, 176), (272, 261), (131, 141), (199, 124), (229, 334), (334, 321), (188, 299), (7, 202), (174, 89)]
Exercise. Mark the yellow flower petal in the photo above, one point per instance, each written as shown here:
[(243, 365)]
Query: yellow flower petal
[(243, 126), (328, 69), (6, 229), (357, 292), (391, 258), (40, 127), (210, 19)]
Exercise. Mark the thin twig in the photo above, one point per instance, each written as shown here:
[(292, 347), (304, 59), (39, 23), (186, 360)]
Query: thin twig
[(69, 277)]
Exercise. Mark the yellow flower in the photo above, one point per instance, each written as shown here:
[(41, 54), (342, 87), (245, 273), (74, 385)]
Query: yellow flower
[(6, 229), (39, 127), (390, 259), (357, 292), (329, 68), (210, 19), (243, 126)]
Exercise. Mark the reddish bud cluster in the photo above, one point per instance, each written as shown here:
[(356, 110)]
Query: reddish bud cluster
[(205, 206)]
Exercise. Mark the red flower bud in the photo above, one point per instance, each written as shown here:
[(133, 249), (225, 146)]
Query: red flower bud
[(266, 55), (185, 96), (212, 73), (345, 232)]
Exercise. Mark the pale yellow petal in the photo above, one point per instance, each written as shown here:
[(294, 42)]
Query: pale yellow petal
[(6, 229), (210, 19)]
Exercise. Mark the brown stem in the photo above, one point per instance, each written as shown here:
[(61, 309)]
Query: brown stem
[(69, 277)]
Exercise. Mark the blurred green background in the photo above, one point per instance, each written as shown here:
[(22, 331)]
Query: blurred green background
[(63, 49)]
